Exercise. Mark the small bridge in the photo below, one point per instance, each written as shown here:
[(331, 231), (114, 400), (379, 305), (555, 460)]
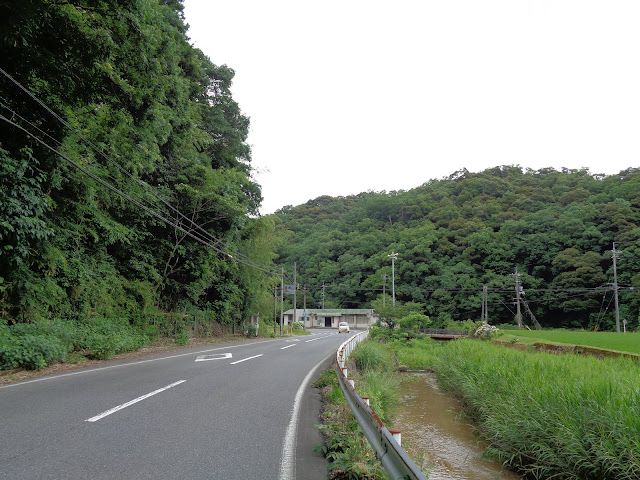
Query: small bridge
[(444, 334)]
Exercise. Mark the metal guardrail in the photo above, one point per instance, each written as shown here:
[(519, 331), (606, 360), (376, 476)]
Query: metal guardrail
[(394, 459)]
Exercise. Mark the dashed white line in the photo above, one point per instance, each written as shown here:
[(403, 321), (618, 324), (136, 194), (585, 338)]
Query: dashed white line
[(288, 346), (128, 404), (215, 356), (317, 338), (245, 359)]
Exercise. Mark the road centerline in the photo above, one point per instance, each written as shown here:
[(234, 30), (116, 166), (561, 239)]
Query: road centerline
[(131, 402), (245, 359), (288, 346)]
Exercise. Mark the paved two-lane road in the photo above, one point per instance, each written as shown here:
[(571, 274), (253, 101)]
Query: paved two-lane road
[(202, 413)]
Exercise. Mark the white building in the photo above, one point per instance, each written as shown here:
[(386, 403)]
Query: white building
[(330, 317)]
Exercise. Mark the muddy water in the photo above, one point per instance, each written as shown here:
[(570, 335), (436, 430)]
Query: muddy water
[(435, 435)]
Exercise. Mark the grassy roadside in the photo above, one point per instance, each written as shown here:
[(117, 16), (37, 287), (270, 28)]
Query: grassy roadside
[(34, 350), (545, 416), (345, 446)]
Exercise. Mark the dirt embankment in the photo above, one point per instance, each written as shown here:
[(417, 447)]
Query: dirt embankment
[(558, 348)]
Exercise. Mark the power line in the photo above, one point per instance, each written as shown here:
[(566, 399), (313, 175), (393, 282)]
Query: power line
[(140, 182), (135, 202)]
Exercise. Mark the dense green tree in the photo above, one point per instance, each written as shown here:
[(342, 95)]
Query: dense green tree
[(135, 106)]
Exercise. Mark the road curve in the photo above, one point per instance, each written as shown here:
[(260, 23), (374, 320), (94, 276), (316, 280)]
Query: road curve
[(234, 411)]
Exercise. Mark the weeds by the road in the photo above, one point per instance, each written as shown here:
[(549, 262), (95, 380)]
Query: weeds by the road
[(546, 416), (345, 446)]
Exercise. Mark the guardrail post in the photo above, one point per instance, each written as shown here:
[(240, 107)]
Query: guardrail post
[(366, 400), (344, 372), (352, 382), (397, 435)]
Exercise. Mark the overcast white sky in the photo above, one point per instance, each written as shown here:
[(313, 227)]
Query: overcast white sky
[(352, 95)]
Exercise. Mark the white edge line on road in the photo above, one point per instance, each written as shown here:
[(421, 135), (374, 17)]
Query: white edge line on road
[(131, 402), (245, 359), (80, 372), (288, 346), (288, 461)]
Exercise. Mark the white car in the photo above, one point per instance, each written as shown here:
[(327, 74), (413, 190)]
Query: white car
[(343, 327)]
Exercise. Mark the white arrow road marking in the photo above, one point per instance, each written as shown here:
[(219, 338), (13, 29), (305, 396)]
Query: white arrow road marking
[(245, 359), (215, 356), (128, 404), (288, 346)]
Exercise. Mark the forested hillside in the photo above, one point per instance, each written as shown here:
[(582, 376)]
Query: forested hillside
[(125, 177), (457, 234)]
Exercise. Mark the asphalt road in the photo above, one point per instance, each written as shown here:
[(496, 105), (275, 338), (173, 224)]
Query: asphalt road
[(236, 411)]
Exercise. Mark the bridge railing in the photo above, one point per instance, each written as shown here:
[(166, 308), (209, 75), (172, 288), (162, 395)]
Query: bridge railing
[(394, 459), (444, 331)]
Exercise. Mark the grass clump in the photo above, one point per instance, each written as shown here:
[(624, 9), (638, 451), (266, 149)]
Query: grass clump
[(373, 356), (547, 416)]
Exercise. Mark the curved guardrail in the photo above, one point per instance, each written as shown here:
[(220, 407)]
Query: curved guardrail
[(394, 459)]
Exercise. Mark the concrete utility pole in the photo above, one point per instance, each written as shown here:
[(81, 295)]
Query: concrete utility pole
[(518, 313), (323, 295), (281, 298), (384, 289), (615, 288), (295, 288), (393, 257), (484, 316), (275, 308)]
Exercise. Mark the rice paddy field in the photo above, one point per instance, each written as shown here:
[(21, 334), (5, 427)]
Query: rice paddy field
[(545, 416), (621, 342)]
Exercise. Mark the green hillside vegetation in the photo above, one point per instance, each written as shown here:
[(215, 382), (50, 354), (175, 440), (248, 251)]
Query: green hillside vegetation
[(456, 234), (134, 105)]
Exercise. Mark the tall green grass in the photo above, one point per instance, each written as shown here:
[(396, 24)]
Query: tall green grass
[(623, 342), (549, 416)]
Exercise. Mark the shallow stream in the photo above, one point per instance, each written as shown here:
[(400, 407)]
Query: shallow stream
[(431, 424)]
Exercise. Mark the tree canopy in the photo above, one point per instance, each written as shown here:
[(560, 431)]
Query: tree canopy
[(122, 152), (456, 234)]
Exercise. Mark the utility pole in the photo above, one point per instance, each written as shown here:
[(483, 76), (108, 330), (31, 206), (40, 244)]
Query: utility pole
[(518, 313), (295, 288), (323, 295), (275, 308), (281, 298), (384, 289), (485, 314), (615, 288), (304, 297), (393, 257)]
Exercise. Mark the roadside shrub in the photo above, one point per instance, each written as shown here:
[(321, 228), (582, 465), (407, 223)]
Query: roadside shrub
[(297, 327), (415, 321), (181, 338), (486, 331), (250, 330), (30, 351)]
